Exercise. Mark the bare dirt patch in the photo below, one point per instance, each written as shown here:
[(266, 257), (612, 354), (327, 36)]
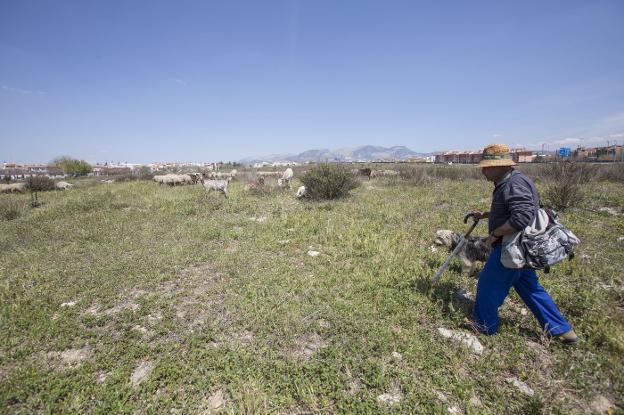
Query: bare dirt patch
[(308, 344), (69, 358)]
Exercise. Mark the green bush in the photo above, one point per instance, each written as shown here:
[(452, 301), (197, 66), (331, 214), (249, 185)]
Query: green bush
[(329, 181), (10, 209), (72, 166), (564, 184)]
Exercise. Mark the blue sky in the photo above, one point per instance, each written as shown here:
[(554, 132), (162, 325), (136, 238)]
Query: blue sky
[(143, 81)]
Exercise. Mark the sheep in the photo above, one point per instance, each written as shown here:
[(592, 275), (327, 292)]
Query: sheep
[(108, 181), (216, 185), (174, 179), (384, 173), (215, 175), (364, 172), (286, 179), (62, 185), (275, 174), (302, 192), (13, 188)]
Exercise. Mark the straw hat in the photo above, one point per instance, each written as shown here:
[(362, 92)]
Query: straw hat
[(496, 155)]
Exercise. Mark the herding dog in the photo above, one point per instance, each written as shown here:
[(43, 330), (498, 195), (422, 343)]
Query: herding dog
[(475, 249)]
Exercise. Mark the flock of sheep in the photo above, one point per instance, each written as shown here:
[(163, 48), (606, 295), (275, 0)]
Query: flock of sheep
[(217, 181)]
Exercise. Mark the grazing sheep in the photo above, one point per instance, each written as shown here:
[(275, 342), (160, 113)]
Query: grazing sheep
[(13, 188), (62, 185), (108, 181), (174, 179), (364, 172), (275, 174), (286, 179), (216, 185), (384, 173), (302, 192), (215, 175)]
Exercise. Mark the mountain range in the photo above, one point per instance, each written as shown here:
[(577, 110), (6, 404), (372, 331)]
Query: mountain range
[(361, 153)]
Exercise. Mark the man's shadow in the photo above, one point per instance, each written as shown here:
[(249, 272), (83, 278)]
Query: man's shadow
[(449, 292)]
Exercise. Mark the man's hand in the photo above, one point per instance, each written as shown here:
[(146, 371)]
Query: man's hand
[(480, 215), (490, 240)]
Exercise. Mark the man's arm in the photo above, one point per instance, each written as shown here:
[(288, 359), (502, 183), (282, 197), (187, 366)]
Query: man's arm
[(505, 229)]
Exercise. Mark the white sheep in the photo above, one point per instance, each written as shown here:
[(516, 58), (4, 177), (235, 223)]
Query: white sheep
[(384, 173), (216, 185), (286, 179), (302, 192), (62, 185), (275, 174), (13, 188)]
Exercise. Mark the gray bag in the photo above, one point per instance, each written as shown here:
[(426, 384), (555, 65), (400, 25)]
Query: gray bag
[(540, 245)]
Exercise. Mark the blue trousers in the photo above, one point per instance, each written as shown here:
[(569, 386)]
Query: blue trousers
[(494, 284)]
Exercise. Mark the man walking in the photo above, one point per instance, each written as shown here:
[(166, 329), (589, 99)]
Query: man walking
[(515, 202)]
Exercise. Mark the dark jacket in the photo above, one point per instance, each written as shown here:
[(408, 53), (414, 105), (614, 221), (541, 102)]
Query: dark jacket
[(515, 199)]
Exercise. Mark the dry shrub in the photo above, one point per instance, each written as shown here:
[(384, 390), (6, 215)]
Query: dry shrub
[(10, 209), (39, 184), (564, 184), (613, 172), (329, 181)]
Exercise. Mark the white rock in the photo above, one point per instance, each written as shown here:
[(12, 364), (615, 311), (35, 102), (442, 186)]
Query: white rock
[(523, 311), (389, 398), (475, 401), (621, 239), (466, 338), (141, 372), (258, 219), (314, 253), (397, 356), (69, 304), (521, 386), (215, 403), (453, 410)]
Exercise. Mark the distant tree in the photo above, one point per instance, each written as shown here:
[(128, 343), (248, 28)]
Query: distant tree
[(72, 166)]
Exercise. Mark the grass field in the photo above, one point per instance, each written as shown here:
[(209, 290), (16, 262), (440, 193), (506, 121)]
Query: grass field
[(138, 298)]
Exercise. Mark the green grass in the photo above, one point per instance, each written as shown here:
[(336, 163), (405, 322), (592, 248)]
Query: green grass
[(216, 301)]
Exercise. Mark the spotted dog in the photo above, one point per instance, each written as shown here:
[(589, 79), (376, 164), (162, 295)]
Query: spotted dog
[(475, 249)]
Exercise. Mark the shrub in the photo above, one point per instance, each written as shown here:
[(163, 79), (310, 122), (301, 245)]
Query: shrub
[(564, 184), (329, 181), (613, 172), (415, 175), (10, 209), (39, 183), (72, 166)]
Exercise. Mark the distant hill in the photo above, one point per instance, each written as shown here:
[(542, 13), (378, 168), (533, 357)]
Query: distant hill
[(361, 153)]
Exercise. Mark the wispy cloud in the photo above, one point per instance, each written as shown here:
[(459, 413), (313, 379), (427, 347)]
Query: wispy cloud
[(20, 91), (573, 142), (179, 81)]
